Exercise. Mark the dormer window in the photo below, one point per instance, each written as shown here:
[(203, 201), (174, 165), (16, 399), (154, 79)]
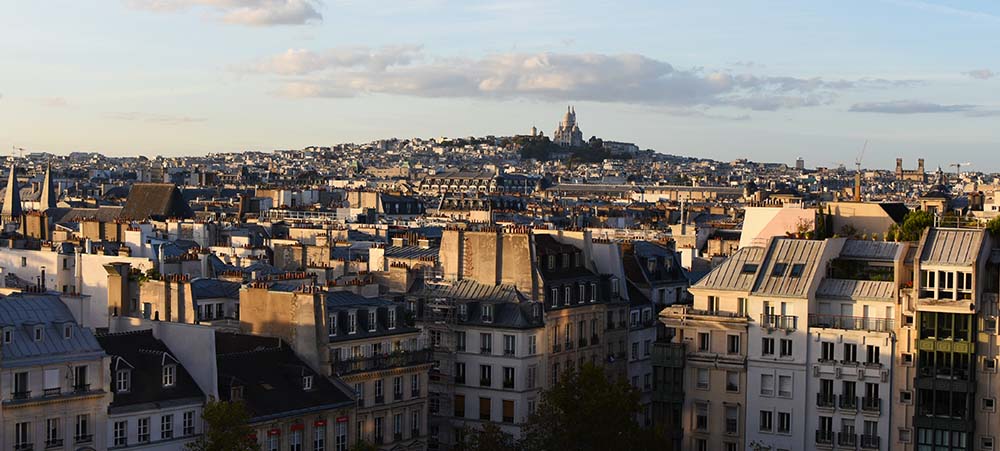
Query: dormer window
[(614, 286), (593, 292), (169, 375), (552, 262), (391, 318), (555, 297), (331, 325), (371, 320), (651, 264), (307, 383), (487, 313), (565, 260), (536, 310), (798, 269), (463, 311), (8, 335), (123, 381), (352, 322), (67, 331), (779, 269), (38, 333), (577, 260), (236, 393)]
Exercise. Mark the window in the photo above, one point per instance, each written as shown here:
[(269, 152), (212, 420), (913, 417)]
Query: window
[(906, 397), (784, 423), (24, 262), (986, 443), (340, 436), (460, 341), (713, 304), (767, 385), (397, 426), (635, 350), (703, 379), (701, 416), (508, 345), (352, 322), (765, 421), (38, 333), (485, 375), (850, 353), (391, 318), (166, 427), (873, 355), (487, 313), (188, 423), (415, 385), (169, 375), (379, 391), (786, 347), (460, 406), (703, 341), (51, 379), (414, 424), (733, 344), (486, 343), (307, 382), (532, 345), (459, 372), (142, 426), (989, 404), (273, 442), (319, 436), (21, 385), (732, 381), (508, 377), (484, 409), (397, 388), (767, 346), (826, 353), (593, 292), (798, 269), (123, 380), (779, 269), (749, 268), (67, 331), (732, 419), (554, 295), (120, 433), (53, 433), (8, 335), (785, 386), (372, 322), (295, 440), (22, 435), (80, 378), (82, 428)]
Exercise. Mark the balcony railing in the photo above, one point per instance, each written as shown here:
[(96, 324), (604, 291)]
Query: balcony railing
[(556, 348), (486, 350), (381, 362), (508, 383), (485, 382), (848, 402), (24, 446), (582, 342), (825, 400), (508, 352), (784, 322), (870, 441), (594, 339), (81, 388), (21, 394), (871, 404), (396, 396), (52, 391), (83, 438), (824, 437), (961, 374), (848, 439), (851, 322), (569, 345), (379, 399)]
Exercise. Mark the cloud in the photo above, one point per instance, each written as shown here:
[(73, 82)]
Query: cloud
[(54, 102), (981, 74), (242, 12), (918, 107), (153, 118), (622, 78)]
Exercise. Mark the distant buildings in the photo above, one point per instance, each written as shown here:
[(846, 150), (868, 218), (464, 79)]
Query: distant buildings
[(568, 133)]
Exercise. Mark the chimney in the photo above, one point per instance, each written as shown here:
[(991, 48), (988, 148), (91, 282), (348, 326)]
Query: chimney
[(857, 186), (424, 243), (399, 242)]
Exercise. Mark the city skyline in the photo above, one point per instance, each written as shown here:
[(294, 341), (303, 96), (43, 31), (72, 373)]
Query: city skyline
[(724, 81)]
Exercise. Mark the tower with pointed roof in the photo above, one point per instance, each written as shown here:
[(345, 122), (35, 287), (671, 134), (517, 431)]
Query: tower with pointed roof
[(12, 209), (48, 199)]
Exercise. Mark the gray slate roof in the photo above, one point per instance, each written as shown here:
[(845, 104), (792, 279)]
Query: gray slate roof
[(856, 289), (952, 247), (729, 275), (870, 250), (22, 312), (788, 252)]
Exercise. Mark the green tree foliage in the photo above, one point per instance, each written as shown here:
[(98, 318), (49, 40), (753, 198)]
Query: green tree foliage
[(490, 438), (226, 429), (912, 227), (585, 411), (993, 226), (364, 446)]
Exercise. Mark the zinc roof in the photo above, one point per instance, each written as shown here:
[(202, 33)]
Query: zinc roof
[(870, 250), (23, 312), (730, 275), (788, 252), (856, 289), (952, 247)]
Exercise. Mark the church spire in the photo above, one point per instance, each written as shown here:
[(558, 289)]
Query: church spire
[(12, 198), (48, 199)]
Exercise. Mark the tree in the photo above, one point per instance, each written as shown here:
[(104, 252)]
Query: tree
[(226, 429), (993, 226), (586, 411), (362, 445), (913, 226), (490, 438)]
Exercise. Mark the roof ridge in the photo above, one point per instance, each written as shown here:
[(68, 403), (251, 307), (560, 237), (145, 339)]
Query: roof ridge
[(125, 333)]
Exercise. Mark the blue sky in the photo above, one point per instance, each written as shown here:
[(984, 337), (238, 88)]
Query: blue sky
[(721, 79)]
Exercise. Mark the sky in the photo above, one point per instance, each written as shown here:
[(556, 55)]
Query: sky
[(768, 81)]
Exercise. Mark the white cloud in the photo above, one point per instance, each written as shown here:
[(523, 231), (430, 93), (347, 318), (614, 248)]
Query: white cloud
[(623, 78), (55, 102), (242, 12), (918, 107), (153, 118), (982, 74)]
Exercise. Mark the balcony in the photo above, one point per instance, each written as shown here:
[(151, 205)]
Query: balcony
[(824, 437), (19, 395), (81, 388), (782, 322), (485, 382), (486, 351), (594, 339), (397, 436), (54, 443), (851, 323), (582, 342), (379, 399), (84, 438), (508, 352), (871, 404), (415, 393), (848, 439), (460, 379), (52, 391), (24, 447), (569, 345), (556, 348), (508, 383), (397, 396), (825, 400), (381, 362), (870, 441), (849, 402), (732, 427), (945, 373)]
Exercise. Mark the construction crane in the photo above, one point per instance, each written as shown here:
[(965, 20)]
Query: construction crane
[(958, 168), (857, 172), (19, 150)]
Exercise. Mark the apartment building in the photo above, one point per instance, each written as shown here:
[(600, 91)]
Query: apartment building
[(53, 377), (488, 343), (157, 405), (852, 345), (710, 338)]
